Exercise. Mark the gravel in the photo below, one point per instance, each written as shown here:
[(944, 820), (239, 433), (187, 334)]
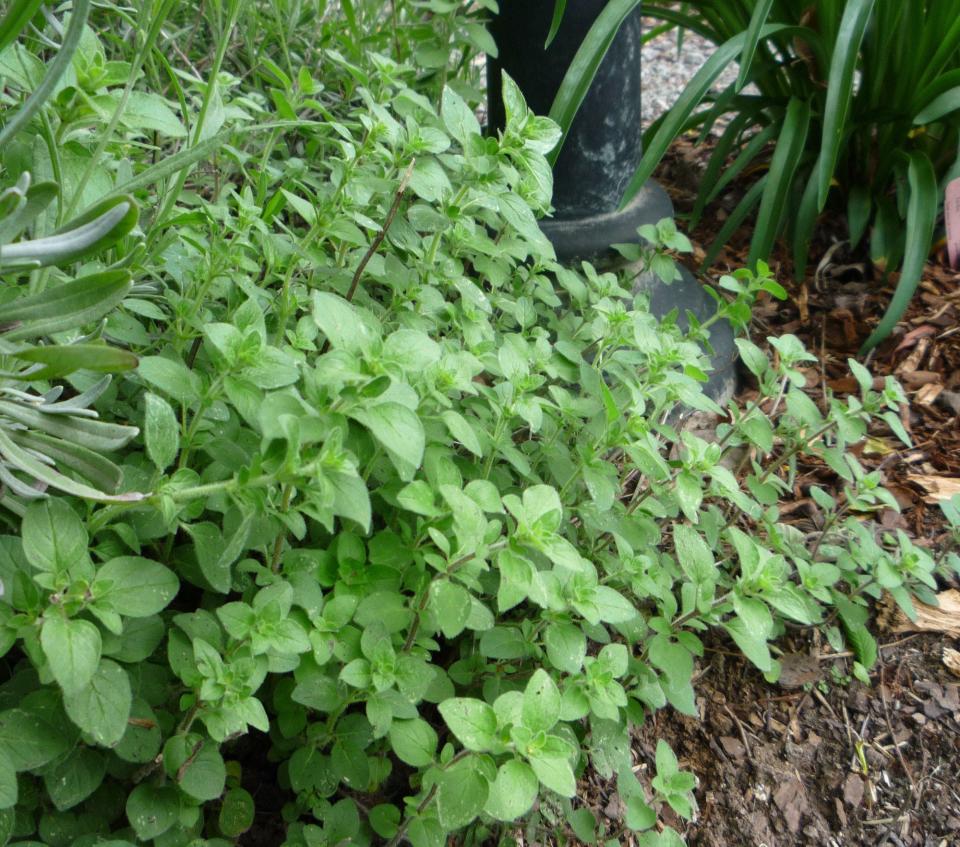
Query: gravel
[(667, 71)]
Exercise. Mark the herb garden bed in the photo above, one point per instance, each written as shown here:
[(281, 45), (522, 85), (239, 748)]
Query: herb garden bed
[(337, 511)]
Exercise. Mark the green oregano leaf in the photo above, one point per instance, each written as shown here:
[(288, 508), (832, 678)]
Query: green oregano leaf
[(102, 707), (161, 431), (473, 722), (72, 648)]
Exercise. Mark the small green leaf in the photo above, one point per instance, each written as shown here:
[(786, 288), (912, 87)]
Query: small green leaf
[(345, 326), (161, 431), (667, 764), (72, 648), (134, 587), (8, 785), (694, 555), (462, 793), (473, 722), (451, 603), (54, 538), (541, 702), (146, 110), (236, 812), (152, 810), (566, 646), (612, 606), (29, 741), (413, 741), (555, 773), (75, 778), (750, 629), (385, 820), (400, 432), (513, 792), (196, 765), (462, 431), (418, 497), (689, 495), (457, 116), (101, 708), (172, 377)]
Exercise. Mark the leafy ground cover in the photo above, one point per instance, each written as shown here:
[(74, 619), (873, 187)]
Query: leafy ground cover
[(406, 529), (813, 760)]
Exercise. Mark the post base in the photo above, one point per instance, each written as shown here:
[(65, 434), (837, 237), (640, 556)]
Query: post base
[(589, 237), (686, 294)]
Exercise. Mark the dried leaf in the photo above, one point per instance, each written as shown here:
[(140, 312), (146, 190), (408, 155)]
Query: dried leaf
[(938, 488), (798, 669), (951, 660), (928, 394), (874, 446), (853, 790), (943, 618)]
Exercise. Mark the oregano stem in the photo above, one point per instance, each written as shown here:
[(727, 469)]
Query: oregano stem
[(426, 801), (378, 238)]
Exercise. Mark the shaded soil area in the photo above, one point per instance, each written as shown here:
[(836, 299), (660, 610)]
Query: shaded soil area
[(831, 763)]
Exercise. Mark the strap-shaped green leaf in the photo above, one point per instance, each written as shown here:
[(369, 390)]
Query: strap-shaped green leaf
[(783, 166), (886, 236), (559, 7), (56, 69), (69, 306), (803, 226), (737, 217), (31, 203), (691, 97), (583, 69), (921, 219), (761, 11), (26, 462), (92, 434), (940, 106), (947, 44), (16, 19), (58, 360), (717, 177), (93, 467), (843, 63)]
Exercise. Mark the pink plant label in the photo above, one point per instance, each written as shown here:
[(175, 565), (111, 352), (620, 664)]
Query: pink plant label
[(951, 211)]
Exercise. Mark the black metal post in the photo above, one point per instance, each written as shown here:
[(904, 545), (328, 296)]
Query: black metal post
[(601, 151)]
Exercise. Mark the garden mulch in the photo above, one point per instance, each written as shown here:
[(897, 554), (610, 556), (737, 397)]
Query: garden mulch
[(820, 759)]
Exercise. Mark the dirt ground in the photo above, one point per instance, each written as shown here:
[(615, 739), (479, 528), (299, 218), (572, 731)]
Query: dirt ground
[(832, 763)]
